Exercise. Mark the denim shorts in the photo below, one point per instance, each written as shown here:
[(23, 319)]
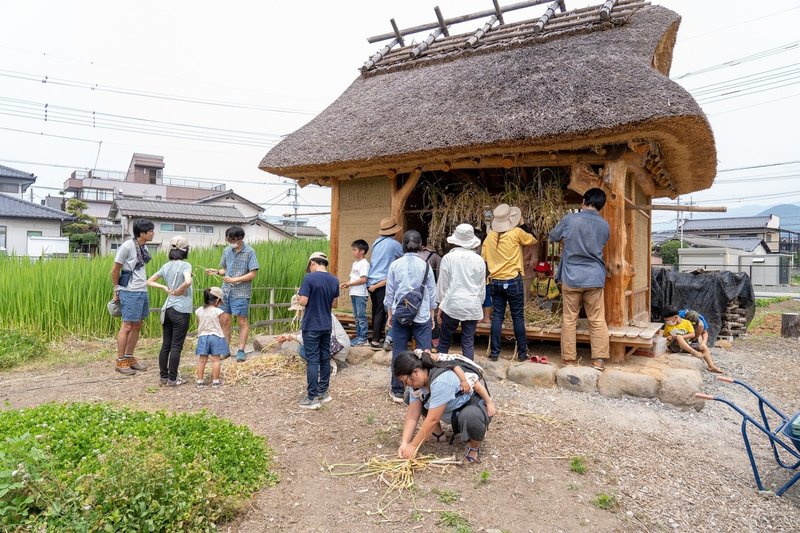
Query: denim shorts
[(212, 345), (135, 305), (236, 306)]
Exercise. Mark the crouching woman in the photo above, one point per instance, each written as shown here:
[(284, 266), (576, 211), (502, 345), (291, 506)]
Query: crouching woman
[(436, 394)]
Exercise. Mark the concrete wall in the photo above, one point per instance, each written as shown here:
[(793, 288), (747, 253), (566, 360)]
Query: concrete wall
[(17, 232), (763, 268)]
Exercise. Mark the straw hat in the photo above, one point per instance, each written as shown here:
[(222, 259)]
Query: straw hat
[(178, 242), (315, 255), (505, 218), (464, 236), (389, 226), (217, 292)]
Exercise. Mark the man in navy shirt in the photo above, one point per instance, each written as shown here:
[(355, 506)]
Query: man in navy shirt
[(317, 293)]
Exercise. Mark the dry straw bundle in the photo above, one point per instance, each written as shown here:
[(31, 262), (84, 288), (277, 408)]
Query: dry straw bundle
[(541, 201), (397, 474), (266, 365)]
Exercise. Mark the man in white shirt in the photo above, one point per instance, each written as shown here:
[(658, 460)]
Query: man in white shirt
[(461, 290)]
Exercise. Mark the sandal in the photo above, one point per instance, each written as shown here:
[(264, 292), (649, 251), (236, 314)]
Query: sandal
[(543, 359), (468, 459), (535, 359)]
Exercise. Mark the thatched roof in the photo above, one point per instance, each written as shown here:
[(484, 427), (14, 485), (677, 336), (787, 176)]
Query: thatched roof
[(596, 83)]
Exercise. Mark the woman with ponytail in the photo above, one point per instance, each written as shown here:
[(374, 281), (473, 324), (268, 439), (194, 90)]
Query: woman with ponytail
[(436, 395)]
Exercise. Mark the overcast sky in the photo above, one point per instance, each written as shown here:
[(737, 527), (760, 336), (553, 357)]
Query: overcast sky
[(268, 67)]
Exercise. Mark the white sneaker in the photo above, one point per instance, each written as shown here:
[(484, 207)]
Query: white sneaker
[(395, 398), (308, 403), (324, 398)]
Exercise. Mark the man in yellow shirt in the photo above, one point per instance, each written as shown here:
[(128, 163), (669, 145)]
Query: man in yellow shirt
[(502, 251), (680, 334)]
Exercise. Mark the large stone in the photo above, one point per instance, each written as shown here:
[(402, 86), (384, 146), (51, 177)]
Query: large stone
[(494, 370), (382, 357), (359, 354), (290, 348), (578, 378), (676, 360), (616, 383), (678, 387), (533, 374), (265, 343)]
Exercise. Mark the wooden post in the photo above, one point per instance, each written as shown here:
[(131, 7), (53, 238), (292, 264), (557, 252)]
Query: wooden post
[(614, 252), (333, 256), (271, 308), (790, 325), (399, 196)]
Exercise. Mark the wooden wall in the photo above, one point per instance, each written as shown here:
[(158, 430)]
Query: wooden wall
[(362, 204), (638, 254)]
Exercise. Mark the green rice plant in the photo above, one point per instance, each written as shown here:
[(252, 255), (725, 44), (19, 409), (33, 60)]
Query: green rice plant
[(58, 297), (19, 347)]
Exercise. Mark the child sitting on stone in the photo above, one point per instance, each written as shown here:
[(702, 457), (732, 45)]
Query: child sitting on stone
[(681, 335)]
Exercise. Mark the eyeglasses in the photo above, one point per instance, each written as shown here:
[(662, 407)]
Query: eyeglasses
[(406, 380), (233, 240)]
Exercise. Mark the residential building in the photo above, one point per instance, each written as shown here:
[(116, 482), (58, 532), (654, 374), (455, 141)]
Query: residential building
[(748, 255), (15, 182), (297, 227), (763, 227), (20, 221), (202, 224), (144, 179)]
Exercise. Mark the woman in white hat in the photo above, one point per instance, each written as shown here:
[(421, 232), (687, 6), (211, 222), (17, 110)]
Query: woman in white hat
[(461, 290), (177, 309), (502, 250)]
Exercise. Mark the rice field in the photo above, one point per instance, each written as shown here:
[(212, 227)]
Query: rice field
[(68, 297)]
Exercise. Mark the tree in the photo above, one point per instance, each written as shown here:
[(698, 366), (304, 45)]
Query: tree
[(82, 231), (669, 251)]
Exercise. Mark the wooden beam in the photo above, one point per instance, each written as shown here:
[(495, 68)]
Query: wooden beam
[(605, 11), (399, 196), (455, 20), (440, 18), (397, 34), (478, 35), (380, 54), (333, 256), (693, 208), (635, 163), (551, 10), (614, 252), (498, 12)]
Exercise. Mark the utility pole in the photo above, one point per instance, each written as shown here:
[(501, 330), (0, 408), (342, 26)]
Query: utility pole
[(292, 193)]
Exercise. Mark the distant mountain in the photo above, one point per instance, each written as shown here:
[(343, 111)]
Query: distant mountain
[(788, 213)]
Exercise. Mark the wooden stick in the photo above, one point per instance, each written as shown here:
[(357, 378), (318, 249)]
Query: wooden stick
[(397, 34), (605, 11), (480, 33), (551, 10), (440, 18), (694, 208), (455, 20), (498, 12)]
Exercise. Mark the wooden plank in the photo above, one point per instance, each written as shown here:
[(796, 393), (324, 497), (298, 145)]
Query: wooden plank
[(633, 332), (650, 331), (333, 255), (694, 208), (618, 331), (455, 20), (614, 252)]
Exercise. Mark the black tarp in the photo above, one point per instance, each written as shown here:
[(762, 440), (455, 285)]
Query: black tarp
[(708, 293)]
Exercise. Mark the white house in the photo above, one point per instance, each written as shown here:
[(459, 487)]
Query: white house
[(20, 220), (749, 255), (203, 225)]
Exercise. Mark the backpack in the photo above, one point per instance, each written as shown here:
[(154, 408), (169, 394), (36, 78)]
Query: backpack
[(410, 303)]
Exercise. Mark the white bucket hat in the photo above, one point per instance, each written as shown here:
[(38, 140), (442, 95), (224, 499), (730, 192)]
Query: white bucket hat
[(506, 218), (464, 236)]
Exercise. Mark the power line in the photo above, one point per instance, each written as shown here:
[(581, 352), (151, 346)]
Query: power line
[(44, 79), (79, 167), (739, 61), (765, 165), (51, 135), (747, 22)]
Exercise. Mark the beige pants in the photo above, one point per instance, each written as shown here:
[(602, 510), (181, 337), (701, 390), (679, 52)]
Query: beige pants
[(592, 300)]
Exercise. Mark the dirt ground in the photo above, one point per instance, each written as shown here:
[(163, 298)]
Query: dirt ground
[(662, 469)]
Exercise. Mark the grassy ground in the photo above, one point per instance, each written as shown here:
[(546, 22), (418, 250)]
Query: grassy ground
[(767, 320)]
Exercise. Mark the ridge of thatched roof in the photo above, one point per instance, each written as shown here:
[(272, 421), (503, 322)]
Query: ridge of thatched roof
[(600, 84)]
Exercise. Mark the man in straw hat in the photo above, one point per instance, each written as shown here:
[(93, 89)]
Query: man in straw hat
[(502, 251), (460, 290), (582, 274), (385, 250)]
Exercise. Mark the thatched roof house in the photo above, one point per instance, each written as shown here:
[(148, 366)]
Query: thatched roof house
[(585, 91)]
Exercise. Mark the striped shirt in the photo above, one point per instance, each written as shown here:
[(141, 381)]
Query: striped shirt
[(238, 264)]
